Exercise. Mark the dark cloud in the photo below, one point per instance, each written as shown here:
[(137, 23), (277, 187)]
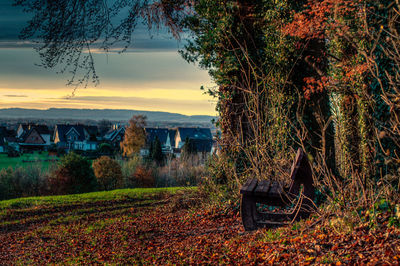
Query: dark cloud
[(13, 20)]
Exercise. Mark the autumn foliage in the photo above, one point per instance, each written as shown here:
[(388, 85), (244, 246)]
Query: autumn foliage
[(143, 177), (74, 174), (135, 137), (108, 173)]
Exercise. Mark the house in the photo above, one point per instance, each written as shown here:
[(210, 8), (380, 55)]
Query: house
[(12, 141), (171, 137), (201, 138), (86, 145), (2, 139), (76, 137), (115, 135), (163, 136), (33, 137), (22, 129), (8, 139)]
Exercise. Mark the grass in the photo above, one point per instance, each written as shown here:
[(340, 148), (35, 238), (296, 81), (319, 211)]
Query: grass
[(38, 158), (55, 201)]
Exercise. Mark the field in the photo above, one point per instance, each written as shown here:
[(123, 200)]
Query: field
[(168, 226), (34, 158)]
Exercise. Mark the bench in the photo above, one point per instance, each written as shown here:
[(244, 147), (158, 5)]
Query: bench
[(295, 200)]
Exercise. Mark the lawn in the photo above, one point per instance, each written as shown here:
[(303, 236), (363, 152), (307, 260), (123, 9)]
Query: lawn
[(169, 226), (34, 158)]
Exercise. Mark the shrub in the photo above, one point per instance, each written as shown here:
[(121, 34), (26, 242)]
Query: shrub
[(60, 151), (179, 173), (29, 180), (129, 169), (11, 152), (73, 175), (144, 177), (105, 148), (6, 186), (108, 173), (22, 182)]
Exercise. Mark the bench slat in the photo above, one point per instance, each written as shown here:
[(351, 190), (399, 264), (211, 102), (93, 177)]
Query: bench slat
[(262, 188), (249, 187), (246, 185), (275, 190)]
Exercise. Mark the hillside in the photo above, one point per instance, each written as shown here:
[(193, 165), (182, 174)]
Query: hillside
[(99, 114), (157, 226)]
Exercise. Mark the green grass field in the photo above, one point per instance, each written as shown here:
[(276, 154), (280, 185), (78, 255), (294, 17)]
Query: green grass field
[(93, 197), (6, 161)]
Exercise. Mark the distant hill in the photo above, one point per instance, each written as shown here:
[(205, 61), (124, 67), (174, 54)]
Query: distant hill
[(99, 114)]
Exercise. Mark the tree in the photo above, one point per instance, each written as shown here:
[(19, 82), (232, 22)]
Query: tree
[(156, 153), (188, 149), (73, 175), (108, 173), (135, 136), (144, 177), (68, 31)]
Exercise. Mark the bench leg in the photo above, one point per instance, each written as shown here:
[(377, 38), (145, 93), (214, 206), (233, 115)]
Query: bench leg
[(248, 211)]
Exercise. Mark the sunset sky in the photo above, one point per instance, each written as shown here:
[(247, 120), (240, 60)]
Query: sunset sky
[(151, 76)]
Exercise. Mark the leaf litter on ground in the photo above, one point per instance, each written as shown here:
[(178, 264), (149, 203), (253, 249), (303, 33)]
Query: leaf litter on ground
[(172, 228)]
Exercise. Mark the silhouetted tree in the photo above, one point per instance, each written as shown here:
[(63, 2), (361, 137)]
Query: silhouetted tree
[(156, 152), (68, 31)]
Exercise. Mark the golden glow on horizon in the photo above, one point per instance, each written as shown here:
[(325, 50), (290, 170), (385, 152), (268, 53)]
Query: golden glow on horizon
[(185, 101), (149, 81)]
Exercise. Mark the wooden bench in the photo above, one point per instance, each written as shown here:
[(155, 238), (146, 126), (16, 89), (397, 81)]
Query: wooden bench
[(295, 199)]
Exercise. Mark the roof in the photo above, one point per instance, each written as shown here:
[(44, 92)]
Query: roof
[(113, 133), (25, 137), (92, 130), (25, 127), (64, 130), (152, 133), (194, 133), (41, 129), (203, 145), (172, 134)]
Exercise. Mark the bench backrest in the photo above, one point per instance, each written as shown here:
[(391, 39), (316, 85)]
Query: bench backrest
[(301, 174)]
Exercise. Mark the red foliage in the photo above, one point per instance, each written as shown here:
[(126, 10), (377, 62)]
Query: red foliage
[(144, 177), (319, 19), (331, 20), (314, 86)]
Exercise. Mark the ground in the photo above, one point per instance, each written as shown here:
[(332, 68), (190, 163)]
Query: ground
[(167, 226)]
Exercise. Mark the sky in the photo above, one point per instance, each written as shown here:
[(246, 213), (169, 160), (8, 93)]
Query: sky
[(151, 76)]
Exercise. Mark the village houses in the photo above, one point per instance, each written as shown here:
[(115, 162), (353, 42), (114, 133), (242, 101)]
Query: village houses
[(34, 137)]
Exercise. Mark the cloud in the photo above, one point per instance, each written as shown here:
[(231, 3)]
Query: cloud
[(13, 19), (15, 96), (151, 102), (190, 107)]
